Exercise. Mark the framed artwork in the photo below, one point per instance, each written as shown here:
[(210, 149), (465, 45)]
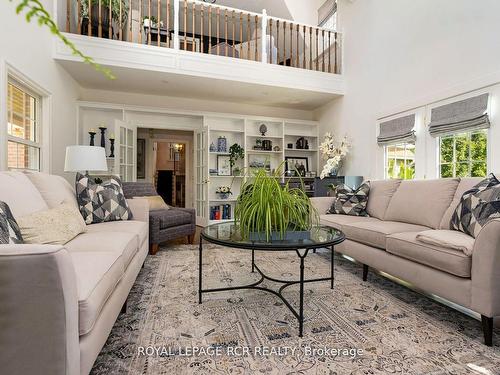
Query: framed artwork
[(141, 158), (297, 164), (260, 161), (223, 165)]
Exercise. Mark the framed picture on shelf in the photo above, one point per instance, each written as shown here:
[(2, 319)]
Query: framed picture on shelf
[(141, 158), (299, 165), (223, 165), (260, 161)]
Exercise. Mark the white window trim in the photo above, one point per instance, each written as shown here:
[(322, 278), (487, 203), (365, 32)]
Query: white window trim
[(7, 71)]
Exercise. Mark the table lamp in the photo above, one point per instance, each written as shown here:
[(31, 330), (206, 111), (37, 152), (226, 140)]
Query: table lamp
[(85, 158)]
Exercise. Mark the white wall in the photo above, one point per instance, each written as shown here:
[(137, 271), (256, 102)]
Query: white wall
[(187, 104), (28, 48), (403, 54)]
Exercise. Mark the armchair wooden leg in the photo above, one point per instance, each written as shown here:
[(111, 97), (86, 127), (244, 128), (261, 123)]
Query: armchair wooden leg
[(365, 272), (191, 239), (154, 249), (487, 324)]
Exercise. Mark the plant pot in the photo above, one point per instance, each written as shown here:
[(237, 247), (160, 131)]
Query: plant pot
[(223, 195), (94, 16), (276, 236), (236, 172)]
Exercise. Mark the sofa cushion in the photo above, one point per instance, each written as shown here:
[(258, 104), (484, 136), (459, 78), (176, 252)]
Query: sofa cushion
[(422, 202), (464, 185), (477, 207), (451, 239), (54, 189), (139, 228), (9, 229), (97, 274), (20, 194), (374, 233), (101, 202), (337, 221), (406, 245), (350, 202), (55, 226), (171, 218), (381, 192), (121, 243)]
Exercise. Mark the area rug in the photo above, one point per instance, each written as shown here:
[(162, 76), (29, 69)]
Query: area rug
[(373, 327)]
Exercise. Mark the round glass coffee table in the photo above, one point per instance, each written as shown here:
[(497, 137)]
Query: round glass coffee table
[(228, 234)]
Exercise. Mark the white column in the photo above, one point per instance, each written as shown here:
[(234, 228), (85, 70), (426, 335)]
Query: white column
[(264, 43), (176, 24)]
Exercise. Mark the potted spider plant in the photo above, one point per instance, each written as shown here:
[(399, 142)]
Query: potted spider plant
[(268, 210)]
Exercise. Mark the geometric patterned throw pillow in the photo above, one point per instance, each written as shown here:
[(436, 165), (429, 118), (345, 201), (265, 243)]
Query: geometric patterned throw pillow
[(101, 202), (477, 206), (9, 230), (350, 202)]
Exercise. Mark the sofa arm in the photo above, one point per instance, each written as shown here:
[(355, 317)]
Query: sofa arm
[(322, 204), (38, 311), (140, 209), (485, 271), (192, 212)]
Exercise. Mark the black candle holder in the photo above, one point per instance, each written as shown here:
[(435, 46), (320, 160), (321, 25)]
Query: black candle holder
[(112, 148), (92, 136), (103, 138)]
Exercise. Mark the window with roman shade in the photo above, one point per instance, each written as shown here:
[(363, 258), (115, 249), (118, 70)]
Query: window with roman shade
[(398, 130), (459, 117)]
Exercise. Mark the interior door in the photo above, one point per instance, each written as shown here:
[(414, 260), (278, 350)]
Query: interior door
[(201, 175), (126, 150)]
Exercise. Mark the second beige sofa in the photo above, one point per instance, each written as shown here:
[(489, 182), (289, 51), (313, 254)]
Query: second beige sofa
[(387, 241)]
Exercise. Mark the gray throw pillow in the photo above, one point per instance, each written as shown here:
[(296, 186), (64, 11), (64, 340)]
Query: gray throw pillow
[(477, 206), (101, 202), (351, 202), (9, 230)]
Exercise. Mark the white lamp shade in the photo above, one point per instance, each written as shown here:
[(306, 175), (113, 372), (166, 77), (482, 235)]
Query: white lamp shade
[(85, 158)]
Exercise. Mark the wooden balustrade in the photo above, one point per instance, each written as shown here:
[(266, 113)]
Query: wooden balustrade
[(207, 28)]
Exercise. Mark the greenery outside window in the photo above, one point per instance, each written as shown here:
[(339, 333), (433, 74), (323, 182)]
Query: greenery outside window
[(23, 143), (400, 161), (463, 154)]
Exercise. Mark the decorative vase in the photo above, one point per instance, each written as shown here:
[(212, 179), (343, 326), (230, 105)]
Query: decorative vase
[(212, 147), (221, 144), (223, 195), (103, 137)]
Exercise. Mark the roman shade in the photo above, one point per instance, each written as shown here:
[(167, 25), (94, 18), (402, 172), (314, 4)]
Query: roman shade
[(328, 8), (401, 129), (464, 115)]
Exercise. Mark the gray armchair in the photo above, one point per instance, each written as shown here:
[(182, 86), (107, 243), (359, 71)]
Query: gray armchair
[(164, 225)]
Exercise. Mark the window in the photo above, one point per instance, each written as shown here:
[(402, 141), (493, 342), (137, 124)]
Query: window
[(463, 154), (400, 161), (23, 143)]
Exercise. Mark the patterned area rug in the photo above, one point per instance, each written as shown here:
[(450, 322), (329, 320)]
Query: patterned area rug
[(373, 327)]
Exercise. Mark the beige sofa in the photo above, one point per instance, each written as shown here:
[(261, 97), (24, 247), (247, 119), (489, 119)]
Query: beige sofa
[(59, 303), (386, 241)]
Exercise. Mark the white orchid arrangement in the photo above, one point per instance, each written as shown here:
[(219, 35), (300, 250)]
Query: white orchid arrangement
[(334, 152)]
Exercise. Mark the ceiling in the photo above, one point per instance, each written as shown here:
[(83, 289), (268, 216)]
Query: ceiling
[(178, 85)]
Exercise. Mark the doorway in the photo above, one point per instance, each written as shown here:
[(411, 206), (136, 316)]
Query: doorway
[(166, 162)]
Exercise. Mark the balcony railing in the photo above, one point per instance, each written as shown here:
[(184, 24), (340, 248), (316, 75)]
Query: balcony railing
[(211, 29)]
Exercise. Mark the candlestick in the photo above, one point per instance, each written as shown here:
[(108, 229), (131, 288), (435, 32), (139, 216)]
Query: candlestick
[(112, 147), (103, 139), (92, 136)]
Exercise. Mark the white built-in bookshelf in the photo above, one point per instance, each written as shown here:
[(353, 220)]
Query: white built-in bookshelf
[(244, 131)]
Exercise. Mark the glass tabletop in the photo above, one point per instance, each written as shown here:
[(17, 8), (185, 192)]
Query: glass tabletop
[(228, 234)]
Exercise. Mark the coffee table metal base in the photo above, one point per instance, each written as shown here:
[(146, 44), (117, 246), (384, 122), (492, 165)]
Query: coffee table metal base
[(279, 293)]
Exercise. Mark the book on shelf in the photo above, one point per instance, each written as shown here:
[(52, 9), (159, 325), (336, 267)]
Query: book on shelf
[(220, 212)]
